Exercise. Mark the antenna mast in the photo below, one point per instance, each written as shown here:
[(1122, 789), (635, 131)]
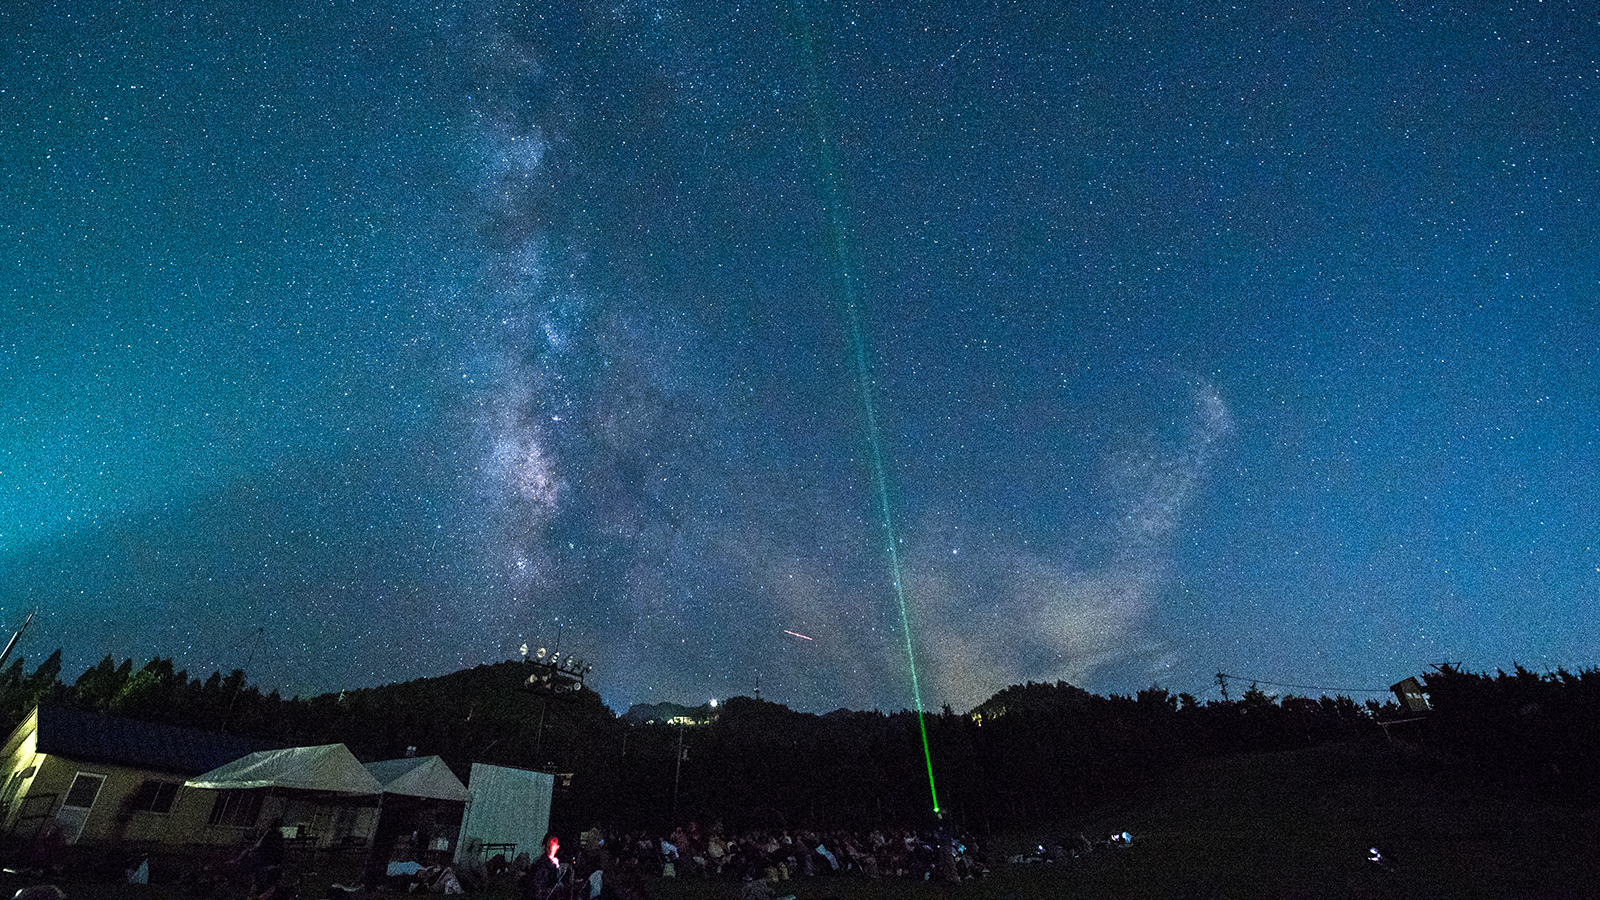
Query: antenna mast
[(10, 645)]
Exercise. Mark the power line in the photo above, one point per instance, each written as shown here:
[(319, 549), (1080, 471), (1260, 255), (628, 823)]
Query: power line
[(1306, 687)]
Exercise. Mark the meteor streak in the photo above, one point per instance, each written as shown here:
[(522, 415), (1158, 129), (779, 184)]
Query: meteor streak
[(797, 634)]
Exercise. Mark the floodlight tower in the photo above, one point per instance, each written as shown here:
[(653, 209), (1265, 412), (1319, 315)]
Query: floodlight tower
[(552, 675)]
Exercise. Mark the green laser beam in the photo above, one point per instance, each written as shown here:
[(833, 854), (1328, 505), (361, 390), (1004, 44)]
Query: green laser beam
[(838, 232)]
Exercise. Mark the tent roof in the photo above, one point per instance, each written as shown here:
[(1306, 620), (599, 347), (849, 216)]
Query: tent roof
[(423, 776), (330, 767)]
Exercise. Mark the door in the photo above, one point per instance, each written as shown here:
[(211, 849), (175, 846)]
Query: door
[(75, 808)]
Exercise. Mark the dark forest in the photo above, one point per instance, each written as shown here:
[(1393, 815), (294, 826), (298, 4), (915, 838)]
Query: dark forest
[(1032, 755)]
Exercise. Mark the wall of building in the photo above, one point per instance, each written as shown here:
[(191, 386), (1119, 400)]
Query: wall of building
[(41, 783), (18, 771)]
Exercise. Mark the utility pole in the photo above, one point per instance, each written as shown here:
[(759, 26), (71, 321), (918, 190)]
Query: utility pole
[(677, 770)]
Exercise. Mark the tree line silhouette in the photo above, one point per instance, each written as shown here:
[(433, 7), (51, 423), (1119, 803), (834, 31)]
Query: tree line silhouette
[(1033, 754)]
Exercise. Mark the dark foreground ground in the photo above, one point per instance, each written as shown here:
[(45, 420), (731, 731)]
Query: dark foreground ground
[(1281, 825)]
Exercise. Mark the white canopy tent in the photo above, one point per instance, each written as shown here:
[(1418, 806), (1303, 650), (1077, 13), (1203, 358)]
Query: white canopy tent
[(425, 776), (422, 806), (331, 768)]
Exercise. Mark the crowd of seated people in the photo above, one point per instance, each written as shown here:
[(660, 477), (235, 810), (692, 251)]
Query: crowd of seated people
[(779, 855), (621, 867)]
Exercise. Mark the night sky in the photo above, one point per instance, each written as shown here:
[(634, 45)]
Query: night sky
[(352, 343)]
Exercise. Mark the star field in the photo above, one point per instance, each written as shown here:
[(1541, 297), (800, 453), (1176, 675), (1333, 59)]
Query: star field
[(353, 345)]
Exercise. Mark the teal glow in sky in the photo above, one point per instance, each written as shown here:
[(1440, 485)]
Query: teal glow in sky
[(365, 344)]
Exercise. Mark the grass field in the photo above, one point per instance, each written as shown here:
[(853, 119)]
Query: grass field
[(1271, 826), (1295, 824)]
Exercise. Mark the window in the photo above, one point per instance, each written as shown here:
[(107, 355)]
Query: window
[(238, 809), (12, 787), (85, 787), (155, 797)]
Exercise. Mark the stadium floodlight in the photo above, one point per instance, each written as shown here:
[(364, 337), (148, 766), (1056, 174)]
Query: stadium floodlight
[(556, 672)]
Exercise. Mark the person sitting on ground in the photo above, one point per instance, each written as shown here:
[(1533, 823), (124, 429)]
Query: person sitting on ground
[(446, 882), (284, 887), (543, 880), (496, 865), (758, 886)]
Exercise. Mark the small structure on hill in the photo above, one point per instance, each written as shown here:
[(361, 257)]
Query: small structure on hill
[(1410, 696)]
